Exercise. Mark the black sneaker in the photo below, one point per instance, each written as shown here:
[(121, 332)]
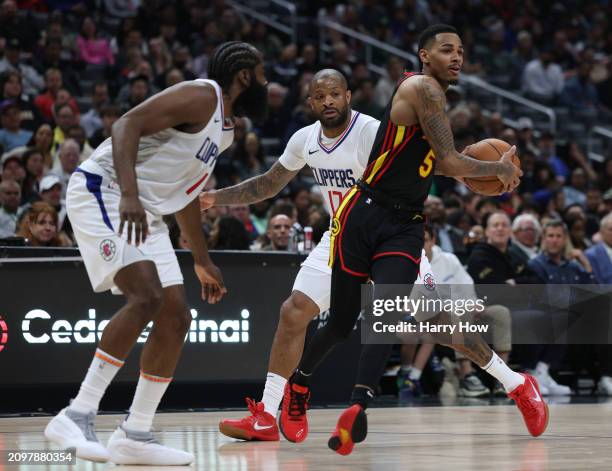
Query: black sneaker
[(471, 386)]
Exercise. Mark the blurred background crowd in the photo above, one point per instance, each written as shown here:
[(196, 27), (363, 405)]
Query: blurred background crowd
[(70, 68)]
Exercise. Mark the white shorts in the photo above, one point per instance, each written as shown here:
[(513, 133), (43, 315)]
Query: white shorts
[(314, 278), (92, 202)]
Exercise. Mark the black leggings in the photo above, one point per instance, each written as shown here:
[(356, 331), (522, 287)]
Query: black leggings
[(345, 307)]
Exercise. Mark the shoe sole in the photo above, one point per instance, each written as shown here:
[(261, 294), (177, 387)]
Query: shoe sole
[(358, 430), (464, 393), (241, 434), (537, 385)]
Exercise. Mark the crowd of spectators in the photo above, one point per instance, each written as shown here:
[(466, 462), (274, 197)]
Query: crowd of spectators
[(67, 74)]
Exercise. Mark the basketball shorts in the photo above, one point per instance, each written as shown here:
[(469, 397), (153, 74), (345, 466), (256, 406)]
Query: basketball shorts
[(92, 203), (314, 277)]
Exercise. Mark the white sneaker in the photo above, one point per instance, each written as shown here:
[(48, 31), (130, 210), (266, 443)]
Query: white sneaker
[(70, 429), (605, 386), (131, 447), (553, 388)]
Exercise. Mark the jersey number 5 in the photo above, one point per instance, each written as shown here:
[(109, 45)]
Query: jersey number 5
[(427, 165)]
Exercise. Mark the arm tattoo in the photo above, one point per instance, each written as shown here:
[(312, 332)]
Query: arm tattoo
[(475, 348), (431, 103), (256, 188)]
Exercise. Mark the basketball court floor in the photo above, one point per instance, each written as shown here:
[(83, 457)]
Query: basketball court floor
[(579, 437)]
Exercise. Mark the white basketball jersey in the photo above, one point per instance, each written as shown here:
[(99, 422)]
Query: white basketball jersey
[(172, 166), (336, 163)]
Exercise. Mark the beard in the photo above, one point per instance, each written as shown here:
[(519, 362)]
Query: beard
[(334, 122), (252, 102)]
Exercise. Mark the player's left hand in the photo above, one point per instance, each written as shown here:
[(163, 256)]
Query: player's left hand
[(213, 288)]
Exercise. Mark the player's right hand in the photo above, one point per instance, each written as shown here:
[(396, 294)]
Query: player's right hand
[(213, 287), (207, 200), (510, 174), (132, 212)]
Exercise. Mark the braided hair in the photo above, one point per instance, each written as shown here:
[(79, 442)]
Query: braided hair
[(228, 59)]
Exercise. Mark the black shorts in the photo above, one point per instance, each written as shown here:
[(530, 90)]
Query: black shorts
[(363, 231)]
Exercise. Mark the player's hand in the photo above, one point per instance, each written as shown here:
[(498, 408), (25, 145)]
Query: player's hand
[(132, 212), (207, 200), (213, 288), (510, 174)]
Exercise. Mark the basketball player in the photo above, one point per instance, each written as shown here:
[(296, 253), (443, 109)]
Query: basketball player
[(377, 232), (159, 158), (311, 289)]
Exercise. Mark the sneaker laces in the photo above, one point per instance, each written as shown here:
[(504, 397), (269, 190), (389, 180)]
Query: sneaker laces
[(298, 403), (252, 406)]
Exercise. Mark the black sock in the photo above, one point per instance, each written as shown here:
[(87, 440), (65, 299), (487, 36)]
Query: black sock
[(301, 378), (361, 395)]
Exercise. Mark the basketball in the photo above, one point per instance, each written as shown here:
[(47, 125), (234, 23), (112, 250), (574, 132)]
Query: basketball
[(488, 150)]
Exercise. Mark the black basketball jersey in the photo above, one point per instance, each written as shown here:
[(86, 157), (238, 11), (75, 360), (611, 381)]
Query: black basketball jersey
[(401, 163)]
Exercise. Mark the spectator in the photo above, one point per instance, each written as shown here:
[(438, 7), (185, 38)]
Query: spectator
[(12, 135), (159, 56), (12, 168), (450, 239), (139, 91), (77, 133), (34, 165), (45, 102), (548, 154), (51, 190), (364, 100), (229, 234), (32, 81), (526, 231), (308, 61), (278, 115), (249, 157), (522, 54), (92, 121), (551, 267), (91, 48), (42, 140), (40, 227), (172, 77), (285, 70), (68, 158), (52, 58), (300, 197), (11, 89), (387, 83), (600, 254), (526, 142), (65, 119), (10, 198), (576, 225), (495, 60), (278, 233), (109, 114), (242, 213), (14, 25), (594, 206), (341, 58), (495, 125), (182, 60), (542, 79), (574, 192), (579, 93)]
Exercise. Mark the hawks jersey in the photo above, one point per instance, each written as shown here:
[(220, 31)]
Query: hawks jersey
[(401, 164), (172, 166), (336, 163)]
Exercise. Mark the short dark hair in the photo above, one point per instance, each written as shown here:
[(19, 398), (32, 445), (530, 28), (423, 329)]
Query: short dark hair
[(228, 59), (555, 223), (430, 32)]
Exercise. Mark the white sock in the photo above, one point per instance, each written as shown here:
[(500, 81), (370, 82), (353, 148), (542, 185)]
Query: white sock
[(415, 373), (273, 392), (101, 372), (500, 371), (149, 392)]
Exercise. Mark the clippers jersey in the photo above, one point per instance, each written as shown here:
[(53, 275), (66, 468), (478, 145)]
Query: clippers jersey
[(401, 164), (336, 163), (172, 166)]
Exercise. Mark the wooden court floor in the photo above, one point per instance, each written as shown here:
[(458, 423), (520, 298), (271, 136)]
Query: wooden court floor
[(579, 437)]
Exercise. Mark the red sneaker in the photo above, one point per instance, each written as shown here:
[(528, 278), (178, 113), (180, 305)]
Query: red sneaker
[(260, 425), (352, 427), (531, 404), (293, 420)]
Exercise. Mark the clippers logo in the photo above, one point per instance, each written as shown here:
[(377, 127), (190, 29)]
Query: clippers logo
[(3, 333), (38, 327), (335, 227), (108, 249), (429, 282)]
